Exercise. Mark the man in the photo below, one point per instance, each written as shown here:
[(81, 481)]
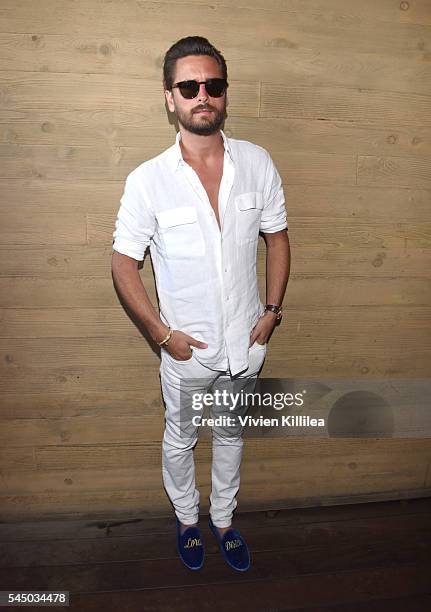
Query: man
[(200, 205)]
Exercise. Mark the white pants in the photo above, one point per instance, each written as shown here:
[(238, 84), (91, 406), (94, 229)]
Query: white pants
[(180, 437)]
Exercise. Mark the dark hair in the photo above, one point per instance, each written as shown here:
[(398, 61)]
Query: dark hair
[(190, 45)]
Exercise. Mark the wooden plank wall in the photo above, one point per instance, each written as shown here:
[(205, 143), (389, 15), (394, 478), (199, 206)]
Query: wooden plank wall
[(340, 93)]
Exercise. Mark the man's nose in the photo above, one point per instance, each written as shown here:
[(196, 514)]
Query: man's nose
[(203, 94)]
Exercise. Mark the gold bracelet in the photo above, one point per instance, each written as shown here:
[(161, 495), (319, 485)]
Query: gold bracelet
[(166, 340)]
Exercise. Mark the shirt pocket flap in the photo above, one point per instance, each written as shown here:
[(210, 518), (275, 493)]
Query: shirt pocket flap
[(176, 216), (252, 199)]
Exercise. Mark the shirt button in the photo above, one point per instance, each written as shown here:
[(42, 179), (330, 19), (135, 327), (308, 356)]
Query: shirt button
[(227, 297), (225, 269)]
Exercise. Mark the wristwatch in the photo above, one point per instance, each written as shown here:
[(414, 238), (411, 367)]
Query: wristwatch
[(278, 310)]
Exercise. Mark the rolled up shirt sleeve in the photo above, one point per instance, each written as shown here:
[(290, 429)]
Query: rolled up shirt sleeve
[(135, 224), (274, 217)]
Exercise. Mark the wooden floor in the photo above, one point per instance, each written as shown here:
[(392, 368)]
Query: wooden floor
[(363, 557)]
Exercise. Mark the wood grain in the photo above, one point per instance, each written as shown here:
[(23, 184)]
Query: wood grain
[(339, 93)]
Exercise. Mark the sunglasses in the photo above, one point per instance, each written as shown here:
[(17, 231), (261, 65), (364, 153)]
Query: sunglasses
[(214, 87)]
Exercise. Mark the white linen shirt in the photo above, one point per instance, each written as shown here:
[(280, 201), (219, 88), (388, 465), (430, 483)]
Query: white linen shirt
[(205, 278)]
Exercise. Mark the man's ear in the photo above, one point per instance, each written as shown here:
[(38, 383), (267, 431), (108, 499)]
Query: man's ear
[(169, 100)]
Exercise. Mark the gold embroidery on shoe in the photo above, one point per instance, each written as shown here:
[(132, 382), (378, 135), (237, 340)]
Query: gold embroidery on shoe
[(232, 544), (193, 542)]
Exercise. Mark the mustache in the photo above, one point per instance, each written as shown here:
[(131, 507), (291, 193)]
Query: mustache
[(199, 108)]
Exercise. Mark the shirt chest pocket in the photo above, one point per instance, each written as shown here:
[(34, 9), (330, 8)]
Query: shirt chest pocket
[(180, 232), (248, 214)]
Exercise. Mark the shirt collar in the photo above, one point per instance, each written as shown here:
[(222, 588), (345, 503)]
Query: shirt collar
[(177, 156)]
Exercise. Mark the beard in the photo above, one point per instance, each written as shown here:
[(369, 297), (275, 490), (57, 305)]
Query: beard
[(202, 124)]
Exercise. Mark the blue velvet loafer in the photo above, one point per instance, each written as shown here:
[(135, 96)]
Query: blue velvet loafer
[(233, 548), (190, 546)]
